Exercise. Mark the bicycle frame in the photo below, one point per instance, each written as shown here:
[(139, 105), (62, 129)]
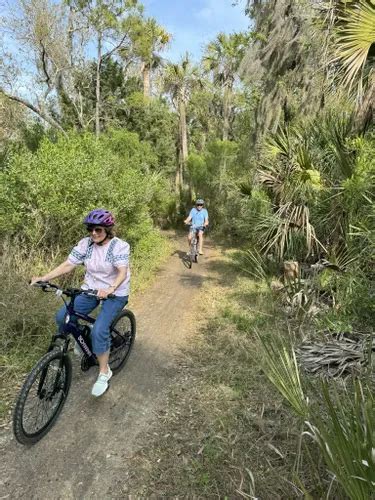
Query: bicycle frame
[(194, 245), (71, 327), (194, 241)]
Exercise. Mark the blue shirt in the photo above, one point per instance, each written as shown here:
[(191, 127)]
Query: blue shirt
[(198, 216)]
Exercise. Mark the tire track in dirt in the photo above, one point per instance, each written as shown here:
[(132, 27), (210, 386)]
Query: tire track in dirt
[(88, 453)]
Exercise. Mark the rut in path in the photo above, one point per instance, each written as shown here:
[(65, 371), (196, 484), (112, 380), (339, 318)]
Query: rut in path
[(88, 452)]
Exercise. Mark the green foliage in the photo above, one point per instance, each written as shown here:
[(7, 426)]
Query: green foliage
[(148, 38), (47, 194), (155, 123), (355, 38), (280, 366), (344, 429)]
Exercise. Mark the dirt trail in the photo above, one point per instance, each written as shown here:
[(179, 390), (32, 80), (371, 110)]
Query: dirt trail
[(88, 452)]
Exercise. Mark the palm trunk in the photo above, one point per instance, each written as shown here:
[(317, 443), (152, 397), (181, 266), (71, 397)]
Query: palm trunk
[(366, 110), (226, 112), (98, 96), (183, 153), (146, 80), (226, 115)]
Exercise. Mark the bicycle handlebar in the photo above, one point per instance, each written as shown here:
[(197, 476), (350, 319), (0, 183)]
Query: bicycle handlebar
[(70, 292), (195, 227)]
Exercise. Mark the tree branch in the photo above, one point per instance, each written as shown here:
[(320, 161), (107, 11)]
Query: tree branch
[(35, 110), (44, 65), (110, 52)]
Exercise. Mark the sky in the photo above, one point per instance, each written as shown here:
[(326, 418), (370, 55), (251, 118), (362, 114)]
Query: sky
[(194, 23)]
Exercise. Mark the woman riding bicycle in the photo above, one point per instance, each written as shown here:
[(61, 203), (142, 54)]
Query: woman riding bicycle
[(198, 217), (106, 259)]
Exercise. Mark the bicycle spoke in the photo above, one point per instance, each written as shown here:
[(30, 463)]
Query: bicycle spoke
[(39, 407), (122, 338)]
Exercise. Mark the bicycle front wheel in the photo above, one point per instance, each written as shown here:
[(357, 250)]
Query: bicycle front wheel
[(123, 332), (42, 397)]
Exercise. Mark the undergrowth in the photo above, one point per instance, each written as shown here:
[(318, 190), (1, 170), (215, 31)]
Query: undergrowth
[(224, 431)]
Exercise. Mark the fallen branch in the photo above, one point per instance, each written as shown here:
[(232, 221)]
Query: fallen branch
[(35, 110)]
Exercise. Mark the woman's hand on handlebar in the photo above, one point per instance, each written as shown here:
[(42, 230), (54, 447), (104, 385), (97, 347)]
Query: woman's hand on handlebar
[(35, 279), (103, 294)]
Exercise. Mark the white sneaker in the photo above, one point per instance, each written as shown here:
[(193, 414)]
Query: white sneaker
[(102, 383)]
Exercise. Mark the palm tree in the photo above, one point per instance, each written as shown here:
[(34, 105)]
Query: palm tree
[(149, 38), (354, 51), (179, 81), (223, 58)]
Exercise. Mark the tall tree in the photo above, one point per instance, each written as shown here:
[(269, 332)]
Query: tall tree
[(112, 22), (38, 29), (223, 58), (149, 39), (284, 61), (179, 81)]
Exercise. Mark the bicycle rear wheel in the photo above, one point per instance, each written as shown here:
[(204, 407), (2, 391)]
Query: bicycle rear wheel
[(123, 332), (42, 397)]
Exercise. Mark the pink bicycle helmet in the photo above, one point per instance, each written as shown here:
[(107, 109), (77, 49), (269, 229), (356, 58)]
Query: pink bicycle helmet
[(100, 217)]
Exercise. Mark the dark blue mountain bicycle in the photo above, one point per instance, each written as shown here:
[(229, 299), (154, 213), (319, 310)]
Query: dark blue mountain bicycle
[(46, 388)]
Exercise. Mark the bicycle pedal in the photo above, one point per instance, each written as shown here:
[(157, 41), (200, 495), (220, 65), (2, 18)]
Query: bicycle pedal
[(87, 363)]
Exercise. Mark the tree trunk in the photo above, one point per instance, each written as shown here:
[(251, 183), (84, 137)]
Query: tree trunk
[(226, 112), (226, 115), (146, 80), (183, 153), (98, 96), (364, 116)]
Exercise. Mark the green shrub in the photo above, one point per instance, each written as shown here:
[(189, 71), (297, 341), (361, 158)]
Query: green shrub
[(48, 193)]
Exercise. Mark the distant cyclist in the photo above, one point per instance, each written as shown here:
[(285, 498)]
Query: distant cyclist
[(106, 259), (198, 217)]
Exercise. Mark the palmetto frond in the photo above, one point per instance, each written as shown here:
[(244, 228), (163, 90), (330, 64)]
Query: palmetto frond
[(355, 39), (343, 427), (287, 230)]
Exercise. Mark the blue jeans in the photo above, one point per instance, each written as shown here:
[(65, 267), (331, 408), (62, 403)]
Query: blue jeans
[(108, 311)]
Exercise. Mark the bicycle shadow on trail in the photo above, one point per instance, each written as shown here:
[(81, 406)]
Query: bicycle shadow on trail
[(184, 258)]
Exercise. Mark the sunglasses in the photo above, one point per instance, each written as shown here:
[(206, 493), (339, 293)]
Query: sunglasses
[(199, 204), (95, 229)]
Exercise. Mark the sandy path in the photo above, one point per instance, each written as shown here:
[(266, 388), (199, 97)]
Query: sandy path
[(88, 452)]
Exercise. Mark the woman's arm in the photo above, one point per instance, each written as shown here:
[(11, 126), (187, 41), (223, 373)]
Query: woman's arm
[(64, 268), (121, 276)]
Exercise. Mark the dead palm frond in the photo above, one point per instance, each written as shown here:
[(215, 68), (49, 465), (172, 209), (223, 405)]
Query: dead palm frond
[(339, 358)]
